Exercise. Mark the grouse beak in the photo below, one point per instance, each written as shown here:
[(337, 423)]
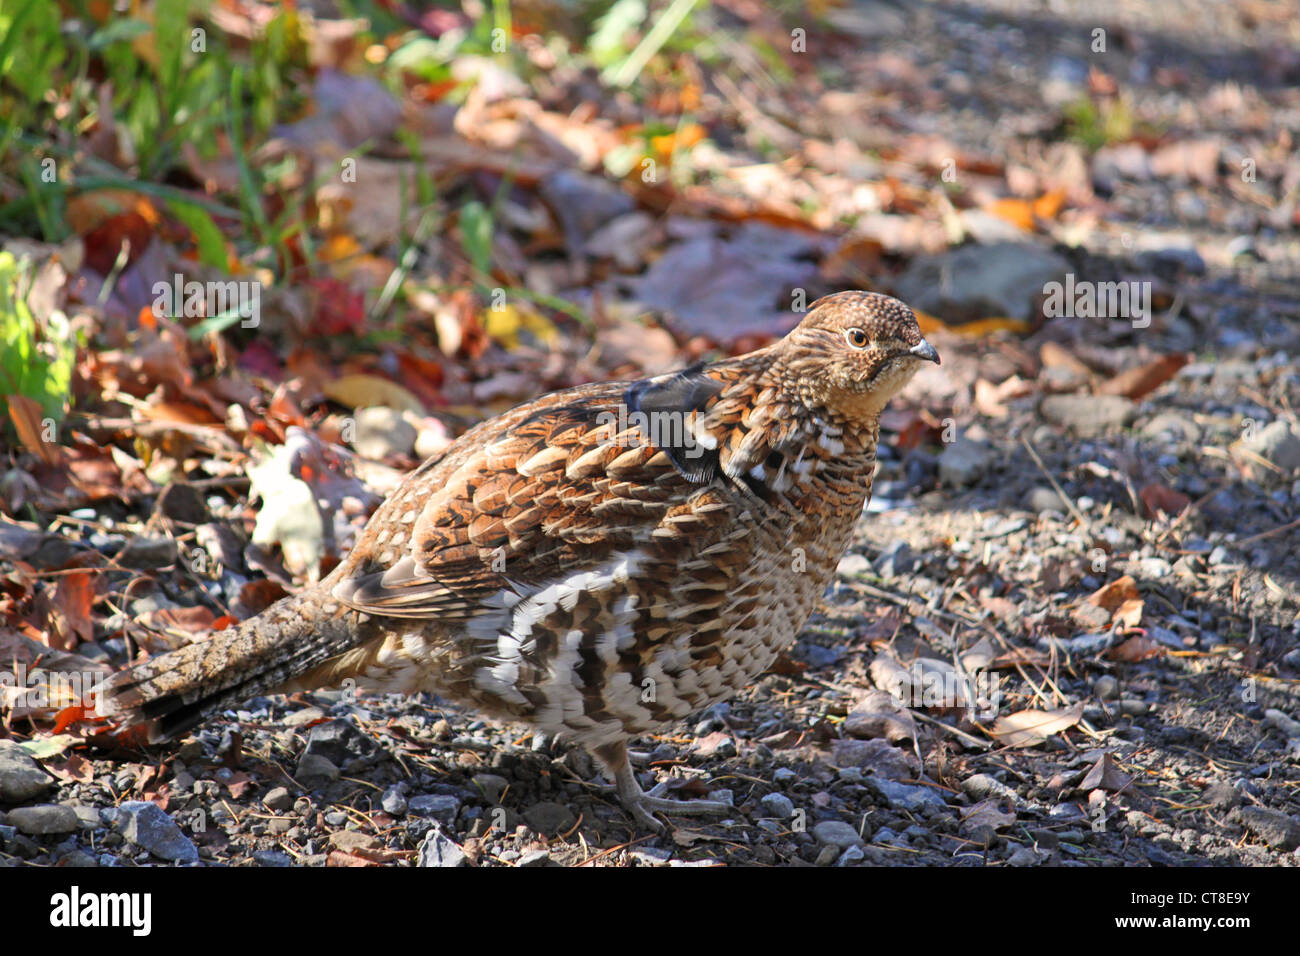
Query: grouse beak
[(924, 350)]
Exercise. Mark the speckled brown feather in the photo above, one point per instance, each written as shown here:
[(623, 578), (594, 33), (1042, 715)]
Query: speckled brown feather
[(598, 562)]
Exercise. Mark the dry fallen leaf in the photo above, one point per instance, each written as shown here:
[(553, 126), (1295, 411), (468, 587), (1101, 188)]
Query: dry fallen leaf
[(1106, 776), (1028, 728), (1122, 599)]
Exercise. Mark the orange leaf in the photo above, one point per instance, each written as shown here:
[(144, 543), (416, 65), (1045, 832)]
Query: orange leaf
[(67, 717), (1136, 382), (26, 415), (1018, 212)]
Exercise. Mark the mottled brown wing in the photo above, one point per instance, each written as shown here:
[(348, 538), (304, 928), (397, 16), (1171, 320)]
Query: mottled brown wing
[(548, 490)]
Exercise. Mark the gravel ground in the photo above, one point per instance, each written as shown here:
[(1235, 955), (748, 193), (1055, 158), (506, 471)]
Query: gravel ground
[(985, 541)]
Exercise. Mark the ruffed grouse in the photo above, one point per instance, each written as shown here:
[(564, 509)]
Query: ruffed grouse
[(597, 563)]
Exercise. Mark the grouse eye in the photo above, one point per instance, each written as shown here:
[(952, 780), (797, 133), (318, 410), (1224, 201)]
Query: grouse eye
[(857, 338)]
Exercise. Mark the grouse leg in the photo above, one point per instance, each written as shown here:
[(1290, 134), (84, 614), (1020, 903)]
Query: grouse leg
[(643, 805)]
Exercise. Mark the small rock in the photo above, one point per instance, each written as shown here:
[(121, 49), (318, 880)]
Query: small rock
[(491, 785), (549, 818), (1025, 856), (382, 432), (316, 771), (394, 802), (147, 554), (534, 858), (1221, 796), (349, 841), (836, 833), (851, 856), (978, 281), (1105, 687), (896, 560), (271, 858), (146, 825), (440, 807), (1278, 830), (778, 805), (965, 462), (1088, 414), (278, 799), (1043, 499), (21, 777), (902, 796), (438, 849), (44, 818)]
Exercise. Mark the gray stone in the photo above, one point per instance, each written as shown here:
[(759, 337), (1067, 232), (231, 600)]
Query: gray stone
[(1088, 414), (146, 825), (21, 777), (778, 805), (1004, 279), (45, 818), (903, 796), (147, 554), (382, 432), (1043, 499), (1025, 856), (965, 462), (534, 858), (394, 802), (438, 849), (271, 858), (836, 833), (1221, 796), (1275, 828), (315, 771), (549, 818), (278, 799), (851, 856), (492, 786), (436, 806), (896, 560)]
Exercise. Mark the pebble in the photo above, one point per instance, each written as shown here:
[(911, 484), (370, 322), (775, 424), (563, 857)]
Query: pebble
[(1088, 414), (903, 796), (549, 817), (491, 785), (146, 825), (1042, 499), (438, 849), (315, 771), (394, 802), (965, 462), (1106, 687), (778, 805), (44, 818), (534, 858), (836, 833), (21, 777), (1275, 828), (437, 806), (784, 775), (851, 857), (278, 799)]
